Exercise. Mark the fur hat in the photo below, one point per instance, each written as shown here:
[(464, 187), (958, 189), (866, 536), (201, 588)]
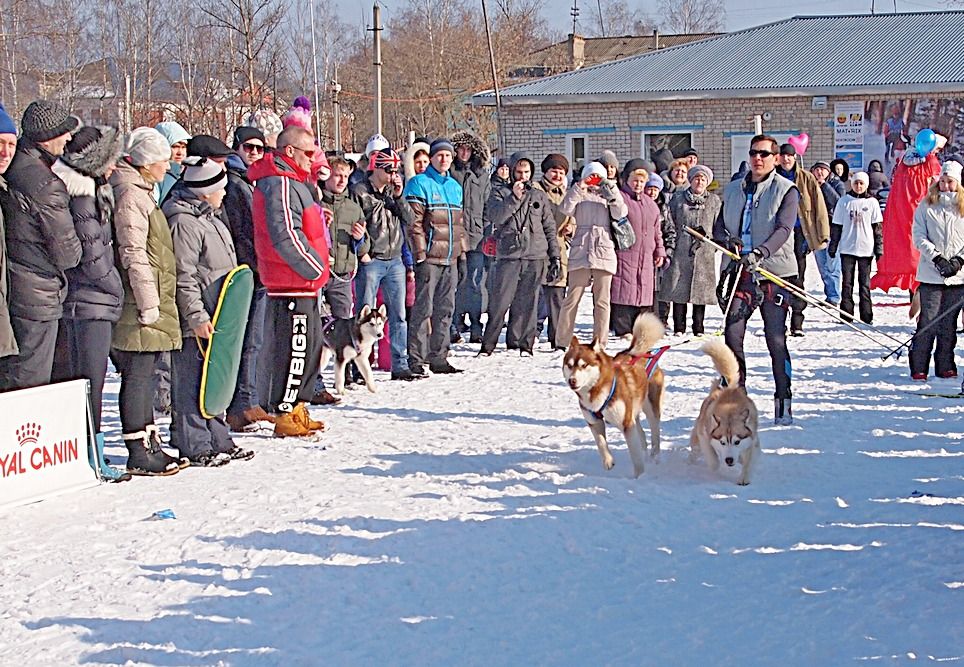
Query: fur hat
[(700, 169), (952, 169), (7, 126), (173, 132), (480, 151), (93, 150), (145, 145), (608, 159), (555, 161), (203, 176), (44, 120)]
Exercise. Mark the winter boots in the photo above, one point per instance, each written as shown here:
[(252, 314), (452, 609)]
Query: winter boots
[(782, 415), (297, 423), (145, 456), (154, 433), (95, 456)]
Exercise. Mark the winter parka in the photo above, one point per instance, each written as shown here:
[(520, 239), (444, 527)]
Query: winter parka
[(938, 230), (565, 226), (592, 242), (145, 259), (41, 241), (523, 228), (691, 276), (290, 235), (436, 235), (8, 342), (666, 224), (94, 287), (236, 208), (814, 221), (634, 281), (473, 176), (204, 255), (345, 250), (386, 218)]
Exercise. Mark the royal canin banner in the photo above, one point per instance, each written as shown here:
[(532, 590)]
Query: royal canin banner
[(43, 442)]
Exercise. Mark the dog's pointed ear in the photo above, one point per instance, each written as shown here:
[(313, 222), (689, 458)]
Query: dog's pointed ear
[(574, 342), (597, 346), (363, 313), (745, 417), (382, 311)]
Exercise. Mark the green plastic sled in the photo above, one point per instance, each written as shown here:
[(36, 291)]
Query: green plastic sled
[(222, 357)]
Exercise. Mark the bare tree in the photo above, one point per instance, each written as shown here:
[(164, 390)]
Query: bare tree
[(615, 18), (693, 16)]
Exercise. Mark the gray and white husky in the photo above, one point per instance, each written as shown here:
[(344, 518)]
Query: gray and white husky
[(350, 340)]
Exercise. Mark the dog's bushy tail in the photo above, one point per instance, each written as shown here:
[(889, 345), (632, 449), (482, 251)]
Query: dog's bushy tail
[(647, 330), (723, 360)]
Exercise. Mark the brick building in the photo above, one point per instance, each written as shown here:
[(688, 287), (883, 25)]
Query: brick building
[(844, 80)]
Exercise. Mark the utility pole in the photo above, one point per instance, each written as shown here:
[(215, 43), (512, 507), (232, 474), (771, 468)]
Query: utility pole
[(377, 29), (495, 83), (602, 23), (574, 13), (314, 65), (335, 89)]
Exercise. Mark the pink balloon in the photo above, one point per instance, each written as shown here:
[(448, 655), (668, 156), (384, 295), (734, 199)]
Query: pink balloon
[(800, 142)]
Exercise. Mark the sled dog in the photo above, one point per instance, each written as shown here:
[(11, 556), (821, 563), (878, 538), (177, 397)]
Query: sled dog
[(619, 390), (726, 429), (352, 339)]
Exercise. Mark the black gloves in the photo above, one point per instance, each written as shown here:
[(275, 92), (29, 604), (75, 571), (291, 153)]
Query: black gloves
[(554, 271), (734, 244), (948, 267), (751, 261)]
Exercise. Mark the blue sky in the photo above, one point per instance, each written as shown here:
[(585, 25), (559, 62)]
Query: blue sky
[(740, 13)]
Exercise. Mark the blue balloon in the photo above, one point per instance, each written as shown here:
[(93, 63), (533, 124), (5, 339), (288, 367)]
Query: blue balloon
[(925, 142)]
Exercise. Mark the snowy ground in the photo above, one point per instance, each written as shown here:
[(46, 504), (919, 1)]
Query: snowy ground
[(467, 520)]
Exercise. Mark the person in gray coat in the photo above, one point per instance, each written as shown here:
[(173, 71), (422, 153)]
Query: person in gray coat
[(8, 146), (471, 169), (527, 254), (204, 254), (41, 243), (691, 276)]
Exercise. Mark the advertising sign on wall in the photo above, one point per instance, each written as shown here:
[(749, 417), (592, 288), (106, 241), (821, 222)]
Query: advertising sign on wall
[(848, 133)]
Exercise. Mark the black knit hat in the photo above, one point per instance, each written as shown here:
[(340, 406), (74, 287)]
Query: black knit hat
[(555, 161), (93, 150), (245, 133), (44, 120)]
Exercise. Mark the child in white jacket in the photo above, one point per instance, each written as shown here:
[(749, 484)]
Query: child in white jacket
[(856, 233)]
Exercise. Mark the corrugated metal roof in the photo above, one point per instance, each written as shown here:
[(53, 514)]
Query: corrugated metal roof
[(804, 55)]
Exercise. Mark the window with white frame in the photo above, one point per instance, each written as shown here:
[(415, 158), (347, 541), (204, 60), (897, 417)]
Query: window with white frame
[(676, 142), (576, 147)]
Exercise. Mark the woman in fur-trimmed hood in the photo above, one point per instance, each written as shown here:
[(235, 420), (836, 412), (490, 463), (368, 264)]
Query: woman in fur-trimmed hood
[(417, 151), (95, 293)]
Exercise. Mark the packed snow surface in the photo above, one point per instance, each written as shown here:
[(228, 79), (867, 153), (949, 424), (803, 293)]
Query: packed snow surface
[(467, 520)]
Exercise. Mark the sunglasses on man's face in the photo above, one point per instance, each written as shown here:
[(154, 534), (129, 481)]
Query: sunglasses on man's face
[(253, 148), (761, 154), (308, 153)]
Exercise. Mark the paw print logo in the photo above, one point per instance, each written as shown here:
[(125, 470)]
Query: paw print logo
[(28, 434)]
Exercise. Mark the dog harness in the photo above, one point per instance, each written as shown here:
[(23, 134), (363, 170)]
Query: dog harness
[(652, 361), (328, 324)]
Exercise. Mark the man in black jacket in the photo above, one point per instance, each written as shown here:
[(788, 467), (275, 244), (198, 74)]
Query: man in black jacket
[(41, 243), (249, 147)]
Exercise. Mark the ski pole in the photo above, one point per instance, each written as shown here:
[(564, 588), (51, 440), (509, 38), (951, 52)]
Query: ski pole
[(930, 325), (831, 310)]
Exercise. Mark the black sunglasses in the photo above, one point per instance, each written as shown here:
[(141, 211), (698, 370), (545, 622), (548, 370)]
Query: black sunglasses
[(756, 153), (251, 148)]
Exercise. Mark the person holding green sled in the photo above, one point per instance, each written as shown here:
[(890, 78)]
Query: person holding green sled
[(204, 254)]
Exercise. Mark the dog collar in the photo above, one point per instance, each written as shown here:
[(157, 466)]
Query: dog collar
[(598, 414)]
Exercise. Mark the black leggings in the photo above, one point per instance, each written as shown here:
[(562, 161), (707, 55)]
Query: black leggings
[(136, 396), (82, 350)]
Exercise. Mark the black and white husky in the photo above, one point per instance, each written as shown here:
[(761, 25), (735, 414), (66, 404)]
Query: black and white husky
[(350, 340)]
